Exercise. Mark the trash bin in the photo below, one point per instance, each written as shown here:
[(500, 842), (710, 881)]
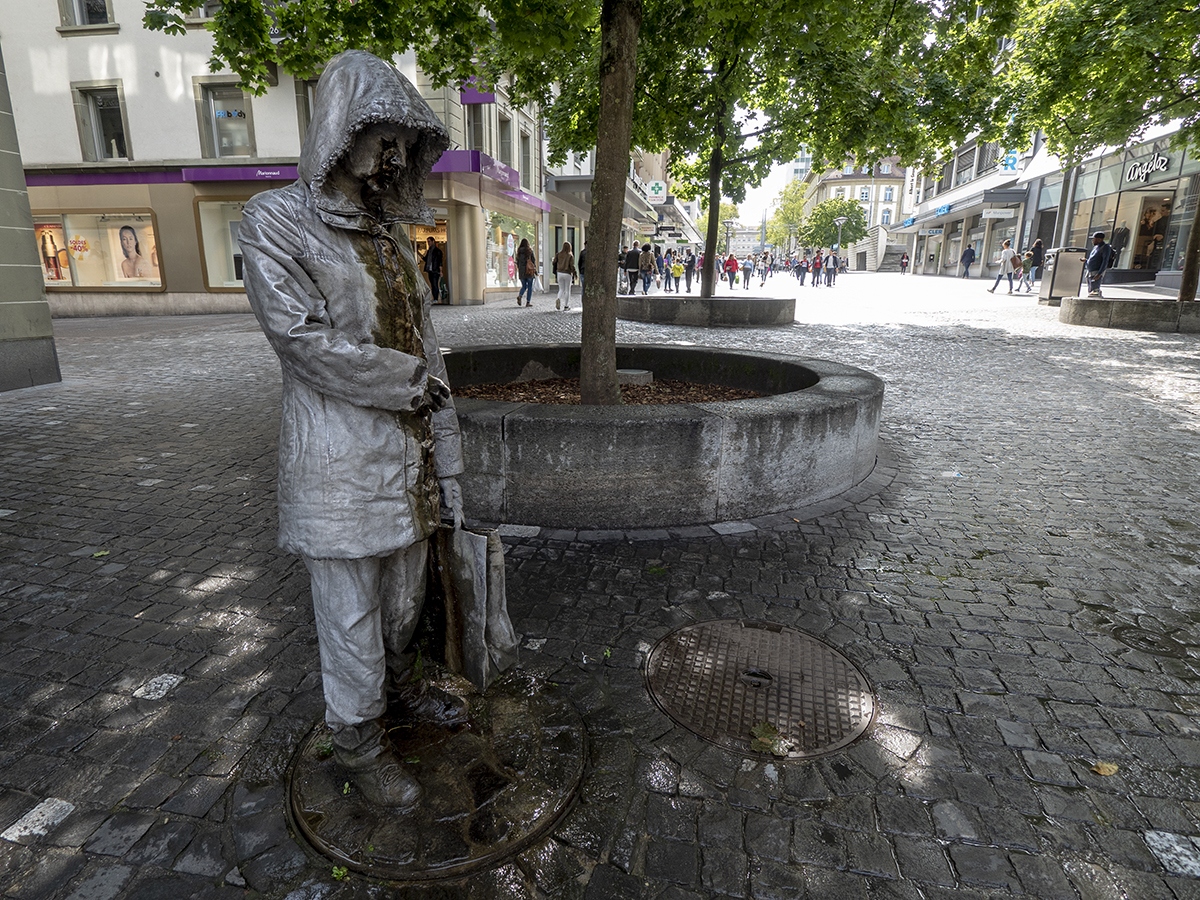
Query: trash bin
[(1062, 273)]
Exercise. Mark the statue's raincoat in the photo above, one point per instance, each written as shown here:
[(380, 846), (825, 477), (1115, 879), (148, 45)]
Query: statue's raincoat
[(342, 301)]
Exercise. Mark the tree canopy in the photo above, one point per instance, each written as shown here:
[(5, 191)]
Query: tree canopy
[(819, 229), (785, 223), (1091, 73), (728, 211)]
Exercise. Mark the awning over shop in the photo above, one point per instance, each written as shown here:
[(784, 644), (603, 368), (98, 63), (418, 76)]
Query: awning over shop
[(1000, 196), (571, 193)]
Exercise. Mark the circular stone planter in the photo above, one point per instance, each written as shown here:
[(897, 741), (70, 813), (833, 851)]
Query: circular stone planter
[(724, 311), (1136, 315), (814, 437)]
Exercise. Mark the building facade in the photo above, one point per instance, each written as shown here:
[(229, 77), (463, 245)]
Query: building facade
[(1143, 197), (139, 160), (879, 189)]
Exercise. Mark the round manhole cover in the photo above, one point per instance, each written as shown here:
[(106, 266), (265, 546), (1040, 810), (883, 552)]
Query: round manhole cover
[(760, 689), (1152, 642)]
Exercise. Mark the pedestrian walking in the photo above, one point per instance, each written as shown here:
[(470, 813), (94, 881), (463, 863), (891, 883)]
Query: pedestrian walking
[(830, 269), (817, 262), (677, 270), (564, 271), (527, 268), (1026, 272), (632, 267), (689, 268), (766, 269), (968, 257), (1009, 263), (1039, 258), (747, 271), (646, 267), (802, 268), (433, 268), (731, 269), (579, 266), (903, 262)]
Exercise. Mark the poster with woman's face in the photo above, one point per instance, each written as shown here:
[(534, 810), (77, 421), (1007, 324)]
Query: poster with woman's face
[(52, 251), (134, 252)]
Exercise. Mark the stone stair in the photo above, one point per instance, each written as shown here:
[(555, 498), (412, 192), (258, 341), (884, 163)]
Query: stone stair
[(891, 258)]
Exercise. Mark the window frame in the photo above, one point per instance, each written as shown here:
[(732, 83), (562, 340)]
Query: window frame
[(889, 194), (136, 212), (475, 127), (504, 143), (202, 89), (82, 99), (526, 151), (864, 195), (218, 199), (69, 16)]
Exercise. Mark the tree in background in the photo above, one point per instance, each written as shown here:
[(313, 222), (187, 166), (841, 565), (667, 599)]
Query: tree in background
[(736, 85), (729, 212), (1091, 73), (819, 229), (784, 225)]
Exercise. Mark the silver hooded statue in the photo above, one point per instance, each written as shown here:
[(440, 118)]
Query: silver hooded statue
[(369, 443)]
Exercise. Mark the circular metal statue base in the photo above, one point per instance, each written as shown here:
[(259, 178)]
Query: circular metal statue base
[(489, 790)]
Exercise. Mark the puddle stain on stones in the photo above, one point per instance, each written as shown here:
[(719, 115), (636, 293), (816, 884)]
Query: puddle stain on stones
[(490, 790)]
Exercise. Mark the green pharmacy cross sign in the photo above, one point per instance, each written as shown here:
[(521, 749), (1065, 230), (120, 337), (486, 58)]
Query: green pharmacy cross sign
[(657, 191)]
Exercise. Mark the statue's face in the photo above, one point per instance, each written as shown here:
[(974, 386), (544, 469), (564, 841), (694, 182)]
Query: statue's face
[(379, 154)]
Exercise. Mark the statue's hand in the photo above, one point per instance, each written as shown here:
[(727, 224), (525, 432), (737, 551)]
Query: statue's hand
[(452, 499), (437, 394)]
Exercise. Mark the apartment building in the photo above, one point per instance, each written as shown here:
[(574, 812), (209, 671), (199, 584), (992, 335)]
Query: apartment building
[(139, 159)]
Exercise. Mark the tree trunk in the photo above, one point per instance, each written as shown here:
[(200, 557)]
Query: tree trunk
[(1191, 259), (716, 163), (620, 21)]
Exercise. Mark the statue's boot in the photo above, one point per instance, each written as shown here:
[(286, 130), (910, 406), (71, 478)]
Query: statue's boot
[(420, 701), (362, 750)]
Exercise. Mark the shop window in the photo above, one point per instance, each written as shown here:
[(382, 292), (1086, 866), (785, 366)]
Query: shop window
[(526, 161), (226, 129), (886, 217), (506, 140), (110, 251), (219, 221), (100, 117), (83, 13), (889, 194), (504, 237)]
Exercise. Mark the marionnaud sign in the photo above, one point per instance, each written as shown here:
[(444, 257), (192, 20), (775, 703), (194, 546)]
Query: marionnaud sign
[(657, 191), (999, 213), (1140, 171)]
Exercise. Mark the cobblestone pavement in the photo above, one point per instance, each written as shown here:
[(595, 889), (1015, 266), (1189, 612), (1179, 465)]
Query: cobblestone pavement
[(1010, 589)]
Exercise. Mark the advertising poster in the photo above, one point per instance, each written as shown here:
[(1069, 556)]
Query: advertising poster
[(52, 250), (134, 252)]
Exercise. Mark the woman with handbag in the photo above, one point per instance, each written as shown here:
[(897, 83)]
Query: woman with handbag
[(527, 269), (564, 270)]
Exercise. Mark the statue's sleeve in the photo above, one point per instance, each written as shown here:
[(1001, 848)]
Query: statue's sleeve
[(291, 311), (447, 442)]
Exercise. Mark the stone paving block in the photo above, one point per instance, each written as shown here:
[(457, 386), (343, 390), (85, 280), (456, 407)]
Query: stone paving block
[(52, 868), (203, 856), (119, 833), (161, 844), (100, 881), (673, 861)]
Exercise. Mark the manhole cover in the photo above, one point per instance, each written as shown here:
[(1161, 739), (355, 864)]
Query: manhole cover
[(727, 678), (1147, 641), (490, 790)]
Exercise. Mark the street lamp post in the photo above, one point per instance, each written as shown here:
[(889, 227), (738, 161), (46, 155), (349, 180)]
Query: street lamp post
[(839, 222), (728, 223), (791, 237)]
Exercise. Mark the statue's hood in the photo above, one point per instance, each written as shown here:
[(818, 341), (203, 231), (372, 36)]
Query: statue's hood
[(356, 90)]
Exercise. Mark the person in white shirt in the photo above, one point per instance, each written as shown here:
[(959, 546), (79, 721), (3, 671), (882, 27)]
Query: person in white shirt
[(1007, 255)]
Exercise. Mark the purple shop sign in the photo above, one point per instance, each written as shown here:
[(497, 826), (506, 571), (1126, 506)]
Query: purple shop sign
[(241, 173), (477, 161), (532, 199), (470, 95)]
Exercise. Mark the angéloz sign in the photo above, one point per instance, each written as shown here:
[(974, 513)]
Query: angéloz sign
[(1141, 171)]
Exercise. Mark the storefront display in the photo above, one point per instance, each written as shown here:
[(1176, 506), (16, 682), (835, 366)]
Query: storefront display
[(505, 234), (106, 250), (219, 221)]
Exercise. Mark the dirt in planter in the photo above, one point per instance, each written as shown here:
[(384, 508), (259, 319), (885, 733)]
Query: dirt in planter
[(565, 391)]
